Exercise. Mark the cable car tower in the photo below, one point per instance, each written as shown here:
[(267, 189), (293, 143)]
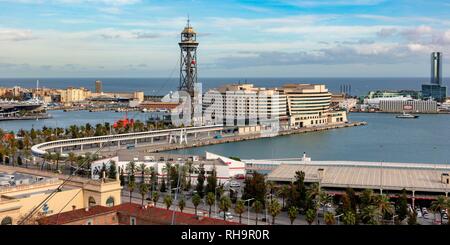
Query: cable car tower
[(188, 62)]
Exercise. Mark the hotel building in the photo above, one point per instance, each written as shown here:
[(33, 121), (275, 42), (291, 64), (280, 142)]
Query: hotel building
[(309, 105), (244, 104)]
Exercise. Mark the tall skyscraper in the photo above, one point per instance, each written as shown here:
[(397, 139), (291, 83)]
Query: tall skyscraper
[(436, 68), (435, 90), (98, 86)]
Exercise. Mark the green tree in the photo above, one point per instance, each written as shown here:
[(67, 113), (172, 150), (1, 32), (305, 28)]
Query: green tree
[(412, 218), (329, 218), (402, 205), (196, 200), (211, 181), (274, 209), (349, 218), (257, 207), (131, 187), (143, 190), (155, 197), (310, 216), (367, 198), (283, 193), (201, 180), (210, 200), (255, 187), (370, 215), (385, 206), (112, 171), (168, 201), (224, 205), (300, 189), (182, 204), (439, 204), (239, 209), (292, 214)]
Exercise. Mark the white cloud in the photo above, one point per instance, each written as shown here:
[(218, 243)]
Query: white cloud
[(16, 35)]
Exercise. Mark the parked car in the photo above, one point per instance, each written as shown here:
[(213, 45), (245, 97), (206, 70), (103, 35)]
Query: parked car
[(228, 215), (235, 184), (239, 176)]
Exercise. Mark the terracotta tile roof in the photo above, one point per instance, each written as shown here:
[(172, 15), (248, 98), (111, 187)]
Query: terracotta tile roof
[(161, 216), (147, 215), (74, 215)]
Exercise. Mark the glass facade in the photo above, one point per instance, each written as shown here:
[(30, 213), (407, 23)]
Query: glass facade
[(434, 91)]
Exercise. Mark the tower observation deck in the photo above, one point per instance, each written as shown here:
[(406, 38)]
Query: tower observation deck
[(188, 59)]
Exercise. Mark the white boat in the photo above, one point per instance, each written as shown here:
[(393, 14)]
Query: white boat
[(407, 116)]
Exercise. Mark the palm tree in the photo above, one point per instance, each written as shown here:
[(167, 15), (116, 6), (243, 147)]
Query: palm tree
[(143, 190), (274, 209), (71, 158), (182, 204), (168, 201), (349, 218), (324, 199), (131, 187), (257, 206), (370, 214), (439, 204), (270, 186), (329, 218), (384, 205), (143, 170), (12, 146), (196, 200), (224, 205), (239, 209), (292, 214), (155, 197), (283, 193), (57, 158), (210, 200), (310, 216), (131, 169)]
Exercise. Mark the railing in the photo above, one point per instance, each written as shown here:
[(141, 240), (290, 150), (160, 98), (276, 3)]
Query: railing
[(40, 149)]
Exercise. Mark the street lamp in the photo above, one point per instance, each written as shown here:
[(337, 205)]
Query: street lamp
[(320, 176), (267, 195), (381, 173), (338, 216), (248, 209), (393, 219)]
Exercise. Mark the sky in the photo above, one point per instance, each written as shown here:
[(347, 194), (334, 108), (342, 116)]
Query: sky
[(238, 38)]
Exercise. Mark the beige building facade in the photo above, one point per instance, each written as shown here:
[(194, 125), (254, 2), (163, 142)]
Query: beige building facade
[(17, 201), (309, 105)]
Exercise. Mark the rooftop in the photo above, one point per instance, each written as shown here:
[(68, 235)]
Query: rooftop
[(146, 215), (366, 176)]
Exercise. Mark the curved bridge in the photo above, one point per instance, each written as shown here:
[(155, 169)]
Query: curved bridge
[(118, 141)]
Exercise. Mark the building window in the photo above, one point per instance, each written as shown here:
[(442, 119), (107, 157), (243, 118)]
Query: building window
[(132, 220), (110, 202), (7, 221), (92, 202)]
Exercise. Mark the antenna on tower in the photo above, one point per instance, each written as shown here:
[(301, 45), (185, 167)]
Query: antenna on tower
[(188, 21)]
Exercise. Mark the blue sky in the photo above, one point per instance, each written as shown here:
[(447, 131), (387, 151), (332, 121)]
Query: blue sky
[(238, 38)]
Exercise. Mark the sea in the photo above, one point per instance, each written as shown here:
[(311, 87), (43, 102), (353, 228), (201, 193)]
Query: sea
[(385, 138), (162, 86)]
